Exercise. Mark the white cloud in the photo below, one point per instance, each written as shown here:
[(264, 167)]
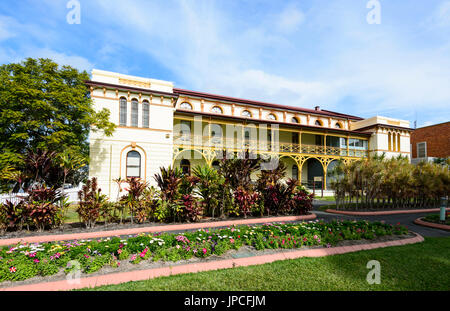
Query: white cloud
[(290, 19), (208, 49), (443, 14), (5, 31), (75, 61)]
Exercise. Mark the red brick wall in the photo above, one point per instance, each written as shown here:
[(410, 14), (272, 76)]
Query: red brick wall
[(437, 138)]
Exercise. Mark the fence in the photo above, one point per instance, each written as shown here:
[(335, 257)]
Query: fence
[(70, 193)]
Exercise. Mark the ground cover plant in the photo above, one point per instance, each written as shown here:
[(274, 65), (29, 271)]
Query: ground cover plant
[(24, 261)]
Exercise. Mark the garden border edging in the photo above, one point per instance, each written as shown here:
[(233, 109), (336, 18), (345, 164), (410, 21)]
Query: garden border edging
[(376, 213), (190, 226), (140, 275), (424, 223)]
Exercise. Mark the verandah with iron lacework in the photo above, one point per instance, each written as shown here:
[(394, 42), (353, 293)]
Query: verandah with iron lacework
[(206, 139)]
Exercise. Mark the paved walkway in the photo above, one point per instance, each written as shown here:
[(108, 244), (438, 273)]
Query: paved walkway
[(404, 219)]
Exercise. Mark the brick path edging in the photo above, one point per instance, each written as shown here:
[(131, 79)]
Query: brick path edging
[(140, 275), (421, 222), (333, 211), (101, 234)]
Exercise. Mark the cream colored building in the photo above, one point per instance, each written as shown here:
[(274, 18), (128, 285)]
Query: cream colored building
[(159, 125)]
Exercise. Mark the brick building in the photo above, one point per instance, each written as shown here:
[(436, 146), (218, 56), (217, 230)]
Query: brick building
[(430, 142)]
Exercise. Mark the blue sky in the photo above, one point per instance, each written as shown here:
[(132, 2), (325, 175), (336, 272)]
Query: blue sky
[(301, 53)]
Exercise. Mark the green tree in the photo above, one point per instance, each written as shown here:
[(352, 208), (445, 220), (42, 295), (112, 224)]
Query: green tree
[(45, 106)]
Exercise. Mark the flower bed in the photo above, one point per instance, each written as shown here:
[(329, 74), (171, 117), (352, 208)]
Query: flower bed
[(25, 261)]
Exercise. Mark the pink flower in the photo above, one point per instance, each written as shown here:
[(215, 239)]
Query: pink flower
[(204, 251), (133, 258), (36, 260), (231, 241)]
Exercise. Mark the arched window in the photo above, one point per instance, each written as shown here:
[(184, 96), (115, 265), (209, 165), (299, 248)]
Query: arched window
[(216, 109), (294, 120), (133, 164), (185, 167), (246, 113), (134, 112), (271, 116), (186, 106), (318, 123), (295, 171), (145, 113), (123, 111), (338, 125)]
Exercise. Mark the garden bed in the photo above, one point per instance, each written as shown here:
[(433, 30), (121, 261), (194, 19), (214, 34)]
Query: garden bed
[(35, 263), (433, 221)]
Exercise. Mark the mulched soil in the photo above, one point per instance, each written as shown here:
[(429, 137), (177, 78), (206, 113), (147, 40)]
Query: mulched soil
[(244, 251)]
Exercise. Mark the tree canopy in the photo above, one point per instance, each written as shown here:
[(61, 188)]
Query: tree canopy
[(45, 106)]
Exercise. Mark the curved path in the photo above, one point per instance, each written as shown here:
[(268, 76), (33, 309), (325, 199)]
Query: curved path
[(404, 219)]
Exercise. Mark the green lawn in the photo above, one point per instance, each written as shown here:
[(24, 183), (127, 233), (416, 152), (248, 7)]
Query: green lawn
[(72, 215), (423, 266), (328, 199)]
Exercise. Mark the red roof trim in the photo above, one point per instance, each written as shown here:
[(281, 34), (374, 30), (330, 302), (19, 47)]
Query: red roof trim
[(321, 128), (264, 104)]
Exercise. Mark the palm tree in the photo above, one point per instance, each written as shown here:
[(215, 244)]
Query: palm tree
[(69, 162)]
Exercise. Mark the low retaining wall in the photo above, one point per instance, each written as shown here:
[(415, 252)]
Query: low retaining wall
[(181, 227), (429, 210), (140, 275)]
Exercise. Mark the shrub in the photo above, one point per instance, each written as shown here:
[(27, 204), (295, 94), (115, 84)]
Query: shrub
[(90, 203), (133, 201), (41, 207), (247, 200), (208, 187), (191, 209), (302, 201), (169, 180), (13, 214)]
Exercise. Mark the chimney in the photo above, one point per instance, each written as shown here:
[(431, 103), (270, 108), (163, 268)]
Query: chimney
[(317, 108)]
